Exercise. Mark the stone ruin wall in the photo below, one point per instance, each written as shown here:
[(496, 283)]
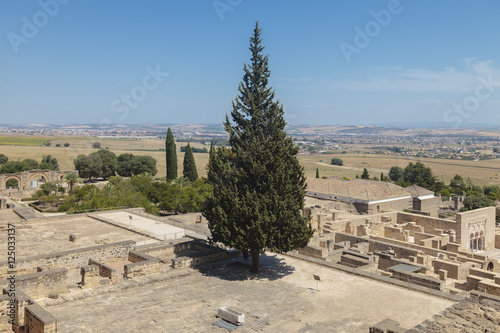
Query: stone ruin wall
[(72, 259), (41, 284)]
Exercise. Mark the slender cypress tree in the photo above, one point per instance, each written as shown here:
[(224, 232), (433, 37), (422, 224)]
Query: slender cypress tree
[(259, 185), (317, 173), (189, 170), (171, 155)]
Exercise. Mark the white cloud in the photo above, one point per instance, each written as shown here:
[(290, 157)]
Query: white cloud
[(411, 80)]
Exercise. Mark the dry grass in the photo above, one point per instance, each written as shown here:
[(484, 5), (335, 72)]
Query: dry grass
[(23, 140), (480, 172), (82, 145)]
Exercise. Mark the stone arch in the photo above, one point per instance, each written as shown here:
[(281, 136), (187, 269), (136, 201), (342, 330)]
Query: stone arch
[(492, 265), (60, 176), (13, 177), (46, 179)]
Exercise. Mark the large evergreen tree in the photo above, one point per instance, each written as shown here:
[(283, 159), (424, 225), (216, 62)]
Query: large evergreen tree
[(171, 156), (189, 170), (259, 185)]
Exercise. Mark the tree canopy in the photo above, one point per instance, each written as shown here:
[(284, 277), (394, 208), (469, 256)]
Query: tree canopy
[(109, 163), (129, 165), (189, 170), (259, 185), (171, 156), (336, 161)]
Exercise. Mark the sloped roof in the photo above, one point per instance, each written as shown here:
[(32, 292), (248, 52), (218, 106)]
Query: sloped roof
[(417, 191), (359, 189)]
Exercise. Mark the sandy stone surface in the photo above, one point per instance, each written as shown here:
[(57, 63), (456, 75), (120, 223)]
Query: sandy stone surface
[(160, 229), (8, 216), (283, 298), (43, 237)]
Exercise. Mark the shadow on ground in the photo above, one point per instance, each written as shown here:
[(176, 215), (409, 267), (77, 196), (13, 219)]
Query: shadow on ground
[(271, 268)]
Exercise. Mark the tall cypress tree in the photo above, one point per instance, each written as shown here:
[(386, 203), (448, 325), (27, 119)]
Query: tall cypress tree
[(259, 185), (189, 170), (171, 155), (317, 173)]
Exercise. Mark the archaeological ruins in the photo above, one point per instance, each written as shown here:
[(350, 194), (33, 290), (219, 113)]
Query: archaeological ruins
[(127, 271)]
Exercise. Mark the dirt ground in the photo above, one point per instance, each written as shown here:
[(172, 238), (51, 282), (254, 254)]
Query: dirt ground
[(282, 298)]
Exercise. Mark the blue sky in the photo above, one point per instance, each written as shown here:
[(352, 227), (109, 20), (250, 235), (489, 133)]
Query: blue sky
[(331, 62)]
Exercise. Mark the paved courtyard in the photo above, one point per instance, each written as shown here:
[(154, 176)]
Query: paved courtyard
[(282, 299), (46, 236), (159, 229)]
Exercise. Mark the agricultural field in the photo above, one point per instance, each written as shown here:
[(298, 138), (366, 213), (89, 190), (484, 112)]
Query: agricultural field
[(481, 172), (24, 140), (83, 145)]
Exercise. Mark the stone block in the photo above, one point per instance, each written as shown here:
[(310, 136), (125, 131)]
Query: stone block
[(443, 274), (231, 315)]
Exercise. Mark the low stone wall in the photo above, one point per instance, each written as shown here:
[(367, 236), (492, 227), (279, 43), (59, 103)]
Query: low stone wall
[(484, 281), (140, 268), (394, 233), (355, 261), (430, 224), (462, 256), (136, 256), (39, 320), (378, 244), (489, 287), (313, 251), (387, 260), (485, 285), (142, 264), (198, 259), (482, 273), (166, 249), (41, 284), (144, 261), (90, 276), (418, 279), (20, 304), (4, 313), (104, 271), (71, 259), (456, 270)]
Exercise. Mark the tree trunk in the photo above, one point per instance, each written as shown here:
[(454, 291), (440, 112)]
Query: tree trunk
[(255, 262)]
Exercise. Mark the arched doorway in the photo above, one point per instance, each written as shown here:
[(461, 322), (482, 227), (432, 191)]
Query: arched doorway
[(37, 179), (12, 182)]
